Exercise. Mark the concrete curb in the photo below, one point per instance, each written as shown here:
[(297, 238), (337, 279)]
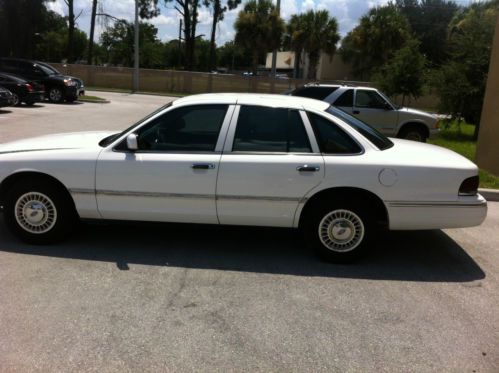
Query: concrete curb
[(94, 101), (490, 194)]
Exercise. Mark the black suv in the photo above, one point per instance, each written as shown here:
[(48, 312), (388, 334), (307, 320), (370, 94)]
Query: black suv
[(58, 87)]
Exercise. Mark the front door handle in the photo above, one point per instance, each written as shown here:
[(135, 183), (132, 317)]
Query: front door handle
[(307, 168), (203, 166), (356, 112)]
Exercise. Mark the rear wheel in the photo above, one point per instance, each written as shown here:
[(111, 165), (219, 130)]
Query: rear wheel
[(339, 231), (39, 212)]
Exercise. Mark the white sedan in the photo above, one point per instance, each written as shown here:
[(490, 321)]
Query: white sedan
[(262, 160)]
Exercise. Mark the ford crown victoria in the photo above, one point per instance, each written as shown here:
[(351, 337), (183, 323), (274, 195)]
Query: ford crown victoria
[(262, 160)]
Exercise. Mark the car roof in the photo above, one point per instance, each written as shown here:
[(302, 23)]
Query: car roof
[(16, 78), (270, 100), (345, 86)]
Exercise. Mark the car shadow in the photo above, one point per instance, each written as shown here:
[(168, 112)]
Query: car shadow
[(4, 111), (426, 256), (35, 106)]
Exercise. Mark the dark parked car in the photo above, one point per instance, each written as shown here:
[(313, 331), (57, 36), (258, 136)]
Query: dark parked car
[(80, 87), (22, 90), (58, 87), (5, 97)]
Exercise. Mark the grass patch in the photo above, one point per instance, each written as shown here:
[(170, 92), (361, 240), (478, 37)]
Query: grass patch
[(460, 139), (118, 90)]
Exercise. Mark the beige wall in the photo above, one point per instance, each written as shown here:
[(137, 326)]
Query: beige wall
[(487, 155), (182, 82)]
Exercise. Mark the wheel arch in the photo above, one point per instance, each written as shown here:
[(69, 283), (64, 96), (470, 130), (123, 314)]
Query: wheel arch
[(346, 193), (414, 123), (10, 180)]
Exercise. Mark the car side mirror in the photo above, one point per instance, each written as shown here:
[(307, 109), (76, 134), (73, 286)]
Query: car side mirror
[(132, 142), (387, 106)]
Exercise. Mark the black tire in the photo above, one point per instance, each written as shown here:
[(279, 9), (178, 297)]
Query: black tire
[(352, 220), (414, 133), (56, 95), (29, 103), (51, 216), (15, 100)]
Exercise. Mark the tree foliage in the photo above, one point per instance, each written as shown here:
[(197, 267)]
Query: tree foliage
[(380, 33), (316, 32), (404, 74), (259, 28), (461, 82), (118, 42), (429, 21)]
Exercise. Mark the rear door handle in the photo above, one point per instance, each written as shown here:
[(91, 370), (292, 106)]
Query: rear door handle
[(307, 168), (203, 166), (356, 112)]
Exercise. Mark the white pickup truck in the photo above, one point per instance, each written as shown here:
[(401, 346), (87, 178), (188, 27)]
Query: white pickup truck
[(374, 108)]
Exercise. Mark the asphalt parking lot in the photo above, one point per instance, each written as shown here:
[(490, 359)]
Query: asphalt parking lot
[(168, 297)]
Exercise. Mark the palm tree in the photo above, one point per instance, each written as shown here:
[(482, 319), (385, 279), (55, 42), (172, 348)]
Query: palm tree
[(259, 28), (296, 38), (320, 34)]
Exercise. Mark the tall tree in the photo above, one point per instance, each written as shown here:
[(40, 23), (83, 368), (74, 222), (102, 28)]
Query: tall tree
[(296, 37), (71, 29), (188, 9), (461, 82), (429, 20), (92, 29), (218, 15), (321, 35), (380, 33), (259, 28), (21, 26)]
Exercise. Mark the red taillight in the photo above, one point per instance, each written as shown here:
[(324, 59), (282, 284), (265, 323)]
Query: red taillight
[(30, 87), (469, 187)]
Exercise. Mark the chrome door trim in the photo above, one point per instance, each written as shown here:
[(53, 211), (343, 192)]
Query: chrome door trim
[(310, 132)]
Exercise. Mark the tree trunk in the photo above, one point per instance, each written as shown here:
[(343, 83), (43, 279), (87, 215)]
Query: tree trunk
[(255, 62), (71, 29), (92, 29), (216, 15), (313, 61)]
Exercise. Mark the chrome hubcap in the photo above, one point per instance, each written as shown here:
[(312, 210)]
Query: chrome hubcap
[(35, 213), (15, 99), (341, 230)]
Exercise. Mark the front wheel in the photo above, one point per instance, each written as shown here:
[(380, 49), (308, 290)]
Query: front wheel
[(39, 212), (55, 95), (414, 133), (339, 232)]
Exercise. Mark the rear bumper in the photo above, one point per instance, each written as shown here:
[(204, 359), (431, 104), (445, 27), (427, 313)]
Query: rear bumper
[(413, 215), (34, 97)]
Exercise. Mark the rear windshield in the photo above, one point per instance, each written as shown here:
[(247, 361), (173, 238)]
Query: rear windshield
[(380, 141)]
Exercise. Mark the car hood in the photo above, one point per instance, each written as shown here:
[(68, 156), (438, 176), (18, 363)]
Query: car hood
[(73, 140), (411, 111), (426, 155)]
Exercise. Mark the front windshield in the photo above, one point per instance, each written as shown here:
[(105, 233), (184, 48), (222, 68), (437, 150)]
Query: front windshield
[(48, 67), (108, 140), (46, 70), (380, 141)]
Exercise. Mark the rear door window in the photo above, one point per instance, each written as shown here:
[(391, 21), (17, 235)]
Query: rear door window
[(331, 138), (270, 130), (345, 100)]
